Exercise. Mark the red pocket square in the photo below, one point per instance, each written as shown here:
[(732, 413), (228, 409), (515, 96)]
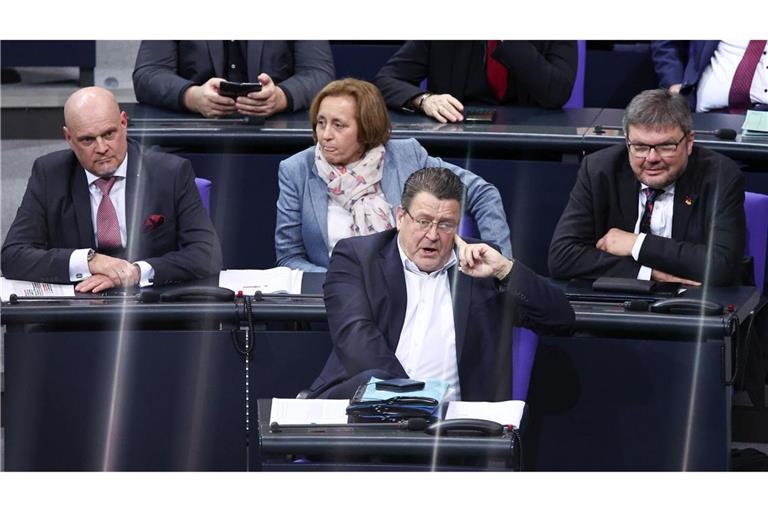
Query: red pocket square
[(153, 221)]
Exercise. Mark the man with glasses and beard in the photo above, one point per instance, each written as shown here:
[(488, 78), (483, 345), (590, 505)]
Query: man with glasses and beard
[(656, 207)]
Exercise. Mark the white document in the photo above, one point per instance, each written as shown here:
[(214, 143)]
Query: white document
[(30, 289), (506, 413), (273, 280), (289, 411), (756, 122)]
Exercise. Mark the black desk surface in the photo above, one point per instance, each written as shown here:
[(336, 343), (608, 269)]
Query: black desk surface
[(590, 316), (514, 129), (345, 443)]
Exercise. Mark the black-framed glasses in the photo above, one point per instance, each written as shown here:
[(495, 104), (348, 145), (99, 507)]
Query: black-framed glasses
[(665, 149), (426, 225)]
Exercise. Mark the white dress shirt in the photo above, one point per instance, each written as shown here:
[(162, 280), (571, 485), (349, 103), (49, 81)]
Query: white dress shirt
[(78, 260), (661, 221), (427, 345), (715, 82)]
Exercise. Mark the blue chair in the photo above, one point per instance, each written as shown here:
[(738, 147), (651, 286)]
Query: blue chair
[(204, 187), (577, 93), (524, 341), (756, 243)]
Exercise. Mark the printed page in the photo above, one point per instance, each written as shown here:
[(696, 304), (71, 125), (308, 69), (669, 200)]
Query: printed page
[(289, 411), (273, 280), (31, 289)]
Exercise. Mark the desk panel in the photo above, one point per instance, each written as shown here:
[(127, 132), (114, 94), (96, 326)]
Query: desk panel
[(123, 400)]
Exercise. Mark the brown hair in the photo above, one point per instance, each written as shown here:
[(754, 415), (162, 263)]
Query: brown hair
[(373, 125)]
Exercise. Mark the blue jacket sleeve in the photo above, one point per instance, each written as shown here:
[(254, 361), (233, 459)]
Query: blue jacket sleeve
[(483, 203), (290, 248)]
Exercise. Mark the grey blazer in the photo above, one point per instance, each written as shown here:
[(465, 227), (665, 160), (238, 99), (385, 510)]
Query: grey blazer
[(165, 69), (301, 233)]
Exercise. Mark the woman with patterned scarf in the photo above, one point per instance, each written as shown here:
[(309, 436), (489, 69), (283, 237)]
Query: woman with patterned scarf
[(349, 183)]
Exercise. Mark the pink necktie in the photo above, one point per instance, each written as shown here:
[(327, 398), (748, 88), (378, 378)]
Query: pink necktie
[(107, 226), (738, 96)]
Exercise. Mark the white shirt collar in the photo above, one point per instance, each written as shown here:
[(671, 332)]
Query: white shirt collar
[(410, 266), (122, 171), (668, 188)]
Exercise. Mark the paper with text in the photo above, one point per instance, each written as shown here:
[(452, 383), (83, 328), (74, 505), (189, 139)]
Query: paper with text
[(31, 289), (289, 411), (272, 280)]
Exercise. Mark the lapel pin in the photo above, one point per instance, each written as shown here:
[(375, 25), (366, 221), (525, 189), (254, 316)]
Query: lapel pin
[(688, 201)]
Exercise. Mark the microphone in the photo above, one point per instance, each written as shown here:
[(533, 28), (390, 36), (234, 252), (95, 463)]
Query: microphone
[(720, 133)]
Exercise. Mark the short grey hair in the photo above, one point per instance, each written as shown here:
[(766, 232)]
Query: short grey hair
[(657, 108), (438, 181)]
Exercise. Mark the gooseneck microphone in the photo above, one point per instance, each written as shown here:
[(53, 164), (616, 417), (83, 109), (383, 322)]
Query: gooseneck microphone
[(720, 133)]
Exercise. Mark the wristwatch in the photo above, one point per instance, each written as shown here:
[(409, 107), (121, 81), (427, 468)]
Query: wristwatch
[(91, 254), (421, 100)]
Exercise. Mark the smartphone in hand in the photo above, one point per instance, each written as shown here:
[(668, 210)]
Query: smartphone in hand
[(235, 89)]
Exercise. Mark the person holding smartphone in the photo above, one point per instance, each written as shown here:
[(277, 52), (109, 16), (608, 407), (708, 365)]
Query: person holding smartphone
[(187, 75)]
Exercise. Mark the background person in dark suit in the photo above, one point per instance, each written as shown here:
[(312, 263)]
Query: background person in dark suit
[(695, 226), (523, 73), (398, 308), (185, 75), (148, 226)]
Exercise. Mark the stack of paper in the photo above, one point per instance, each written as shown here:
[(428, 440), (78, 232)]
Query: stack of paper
[(273, 280), (755, 126)]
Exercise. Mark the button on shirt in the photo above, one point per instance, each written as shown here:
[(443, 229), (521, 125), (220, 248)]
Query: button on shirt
[(78, 260), (661, 222), (427, 345)]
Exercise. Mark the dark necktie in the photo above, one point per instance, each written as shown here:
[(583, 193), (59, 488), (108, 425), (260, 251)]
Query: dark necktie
[(495, 72), (650, 197), (738, 96), (107, 226), (235, 62)]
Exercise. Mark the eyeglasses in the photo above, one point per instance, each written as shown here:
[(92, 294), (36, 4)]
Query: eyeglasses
[(665, 149), (426, 225)]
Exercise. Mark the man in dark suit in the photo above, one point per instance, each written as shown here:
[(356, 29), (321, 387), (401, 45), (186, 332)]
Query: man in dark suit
[(656, 207), (185, 75), (397, 307), (523, 73), (107, 214)]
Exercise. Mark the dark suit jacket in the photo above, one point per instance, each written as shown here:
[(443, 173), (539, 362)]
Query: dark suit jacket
[(365, 297), (708, 209), (166, 69), (682, 62), (55, 218), (541, 73)]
